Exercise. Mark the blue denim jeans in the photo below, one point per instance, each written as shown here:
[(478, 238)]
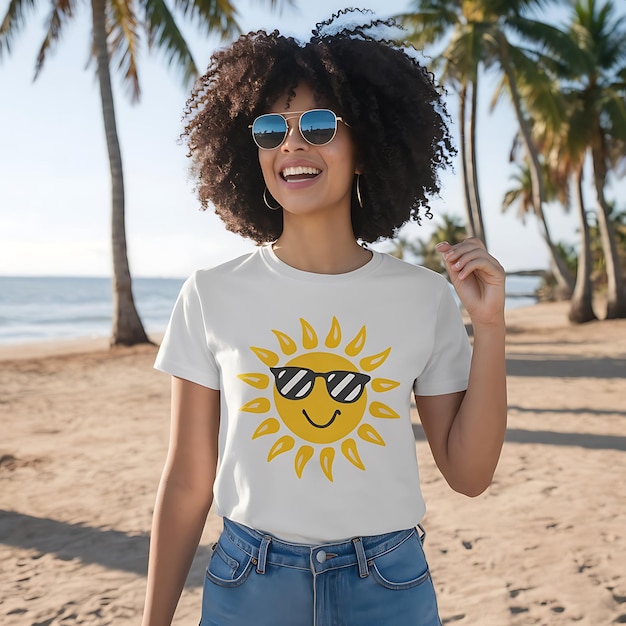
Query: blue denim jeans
[(257, 579)]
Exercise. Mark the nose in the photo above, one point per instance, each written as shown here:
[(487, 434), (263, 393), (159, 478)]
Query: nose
[(294, 139)]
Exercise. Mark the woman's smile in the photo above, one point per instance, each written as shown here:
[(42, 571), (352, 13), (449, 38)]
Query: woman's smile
[(299, 173)]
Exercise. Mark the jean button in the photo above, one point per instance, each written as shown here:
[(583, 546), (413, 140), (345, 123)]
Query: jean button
[(321, 556)]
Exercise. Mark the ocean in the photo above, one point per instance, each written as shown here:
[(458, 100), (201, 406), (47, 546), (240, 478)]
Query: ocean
[(34, 309)]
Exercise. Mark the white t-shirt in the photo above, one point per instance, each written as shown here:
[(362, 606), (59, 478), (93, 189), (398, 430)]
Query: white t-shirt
[(315, 373)]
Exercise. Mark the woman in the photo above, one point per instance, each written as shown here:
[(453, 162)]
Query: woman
[(293, 367)]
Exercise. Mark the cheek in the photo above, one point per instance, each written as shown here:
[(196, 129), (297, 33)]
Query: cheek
[(342, 157), (344, 145), (266, 161)]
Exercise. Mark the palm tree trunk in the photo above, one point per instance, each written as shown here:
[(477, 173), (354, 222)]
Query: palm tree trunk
[(616, 295), (469, 214), (479, 226), (127, 327), (562, 275), (581, 305)]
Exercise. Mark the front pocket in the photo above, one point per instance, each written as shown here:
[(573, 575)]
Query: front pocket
[(403, 567), (229, 565)]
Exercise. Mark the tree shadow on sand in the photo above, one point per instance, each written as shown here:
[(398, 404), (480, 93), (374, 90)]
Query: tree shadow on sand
[(556, 366), (108, 548), (552, 438)]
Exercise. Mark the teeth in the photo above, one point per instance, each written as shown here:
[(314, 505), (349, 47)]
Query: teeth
[(299, 171)]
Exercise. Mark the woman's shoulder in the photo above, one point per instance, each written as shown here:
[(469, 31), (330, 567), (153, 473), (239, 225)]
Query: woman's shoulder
[(413, 272), (228, 269), (206, 281)]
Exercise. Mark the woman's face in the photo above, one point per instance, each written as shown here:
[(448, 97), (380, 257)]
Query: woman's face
[(304, 178)]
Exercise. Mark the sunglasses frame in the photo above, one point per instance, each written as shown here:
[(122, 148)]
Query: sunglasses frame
[(338, 118), (363, 380)]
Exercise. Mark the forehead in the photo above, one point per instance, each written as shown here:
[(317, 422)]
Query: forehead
[(301, 98)]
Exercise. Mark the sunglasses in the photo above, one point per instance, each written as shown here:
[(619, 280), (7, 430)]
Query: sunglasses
[(295, 383), (317, 126)]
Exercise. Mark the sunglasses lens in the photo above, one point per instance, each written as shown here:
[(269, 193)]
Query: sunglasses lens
[(346, 386), (293, 383), (269, 131), (319, 126)]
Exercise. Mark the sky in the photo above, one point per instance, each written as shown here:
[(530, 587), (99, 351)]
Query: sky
[(54, 171)]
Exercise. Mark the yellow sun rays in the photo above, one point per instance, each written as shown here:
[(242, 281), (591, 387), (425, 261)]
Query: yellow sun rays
[(272, 426)]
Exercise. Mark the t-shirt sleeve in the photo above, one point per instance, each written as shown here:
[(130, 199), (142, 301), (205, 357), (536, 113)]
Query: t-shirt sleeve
[(185, 350), (447, 369)]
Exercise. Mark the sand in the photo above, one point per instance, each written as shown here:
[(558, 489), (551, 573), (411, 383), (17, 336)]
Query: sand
[(83, 437)]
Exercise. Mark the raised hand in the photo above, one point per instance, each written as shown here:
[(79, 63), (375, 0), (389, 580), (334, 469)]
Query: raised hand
[(477, 278)]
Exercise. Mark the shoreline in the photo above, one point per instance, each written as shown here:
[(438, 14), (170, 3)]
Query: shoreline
[(42, 348), (554, 314), (63, 347), (48, 320)]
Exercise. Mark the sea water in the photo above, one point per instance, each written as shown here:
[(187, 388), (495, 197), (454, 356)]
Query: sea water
[(46, 308), (57, 308)]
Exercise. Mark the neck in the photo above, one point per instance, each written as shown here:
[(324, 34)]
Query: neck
[(319, 247)]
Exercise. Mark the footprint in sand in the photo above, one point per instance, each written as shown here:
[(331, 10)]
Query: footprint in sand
[(515, 592), (618, 599), (516, 610), (454, 618), (621, 619)]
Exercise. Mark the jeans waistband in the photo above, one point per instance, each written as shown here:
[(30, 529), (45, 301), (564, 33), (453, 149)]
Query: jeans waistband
[(265, 549)]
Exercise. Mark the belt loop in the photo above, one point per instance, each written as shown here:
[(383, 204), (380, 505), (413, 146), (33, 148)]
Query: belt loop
[(423, 535), (265, 544), (360, 557)]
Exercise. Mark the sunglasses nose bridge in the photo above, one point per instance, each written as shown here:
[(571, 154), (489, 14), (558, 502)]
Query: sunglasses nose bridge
[(318, 382), (294, 139)]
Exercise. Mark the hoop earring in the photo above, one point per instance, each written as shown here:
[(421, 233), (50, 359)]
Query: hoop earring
[(267, 204), (358, 190)]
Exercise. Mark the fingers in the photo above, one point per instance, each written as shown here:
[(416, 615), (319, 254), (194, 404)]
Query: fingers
[(443, 246), (468, 257)]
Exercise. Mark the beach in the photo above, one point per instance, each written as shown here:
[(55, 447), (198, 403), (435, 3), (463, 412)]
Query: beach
[(84, 433)]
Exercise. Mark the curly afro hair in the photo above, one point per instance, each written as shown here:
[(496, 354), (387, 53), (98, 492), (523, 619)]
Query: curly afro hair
[(394, 108)]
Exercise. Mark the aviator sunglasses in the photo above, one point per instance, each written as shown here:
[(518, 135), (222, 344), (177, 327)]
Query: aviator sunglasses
[(295, 383), (317, 126)]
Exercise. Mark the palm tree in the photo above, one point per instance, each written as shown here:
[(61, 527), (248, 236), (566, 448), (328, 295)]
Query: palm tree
[(564, 150), (430, 22), (618, 223), (520, 195), (116, 31), (478, 34), (598, 82), (581, 304)]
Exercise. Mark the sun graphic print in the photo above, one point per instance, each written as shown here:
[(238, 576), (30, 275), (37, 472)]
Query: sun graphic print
[(321, 398)]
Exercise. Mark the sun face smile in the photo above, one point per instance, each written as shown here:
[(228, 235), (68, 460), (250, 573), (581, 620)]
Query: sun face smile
[(320, 396), (326, 425)]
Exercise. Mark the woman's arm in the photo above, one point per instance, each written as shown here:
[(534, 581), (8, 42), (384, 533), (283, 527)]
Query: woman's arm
[(184, 497), (466, 430)]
